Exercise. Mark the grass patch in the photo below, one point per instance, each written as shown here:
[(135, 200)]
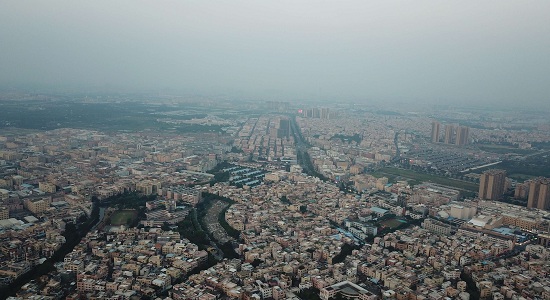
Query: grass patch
[(521, 177), (502, 149), (380, 174), (391, 223), (394, 223), (414, 178), (123, 217), (537, 165)]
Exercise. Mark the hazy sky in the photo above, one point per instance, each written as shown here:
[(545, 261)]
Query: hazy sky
[(494, 51)]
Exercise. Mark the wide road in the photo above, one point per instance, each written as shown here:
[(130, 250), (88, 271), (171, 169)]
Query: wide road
[(301, 146)]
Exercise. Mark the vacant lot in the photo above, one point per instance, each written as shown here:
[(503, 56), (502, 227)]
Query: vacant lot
[(123, 217), (415, 178)]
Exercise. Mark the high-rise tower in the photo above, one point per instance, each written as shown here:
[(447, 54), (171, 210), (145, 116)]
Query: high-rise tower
[(539, 193), (284, 128), (436, 127), (449, 133), (462, 135), (491, 184), (325, 113)]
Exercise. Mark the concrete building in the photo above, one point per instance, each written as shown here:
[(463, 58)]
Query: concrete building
[(436, 128), (544, 240), (284, 129), (186, 194), (491, 184), (37, 206), (539, 194), (436, 226), (4, 194), (46, 187), (148, 187), (449, 133), (462, 135), (463, 212), (348, 290), (522, 190), (4, 213)]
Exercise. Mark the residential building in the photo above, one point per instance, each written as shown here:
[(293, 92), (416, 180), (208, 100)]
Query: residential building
[(491, 184), (449, 133), (4, 194), (4, 213), (436, 127), (462, 135), (46, 187), (539, 194)]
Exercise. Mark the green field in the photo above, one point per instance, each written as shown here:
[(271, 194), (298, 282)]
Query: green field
[(123, 217), (391, 223), (502, 149), (521, 177), (414, 178), (532, 166)]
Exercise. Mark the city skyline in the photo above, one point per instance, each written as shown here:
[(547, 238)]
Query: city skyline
[(274, 150), (197, 201)]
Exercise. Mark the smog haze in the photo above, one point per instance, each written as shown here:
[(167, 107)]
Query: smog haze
[(413, 51)]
